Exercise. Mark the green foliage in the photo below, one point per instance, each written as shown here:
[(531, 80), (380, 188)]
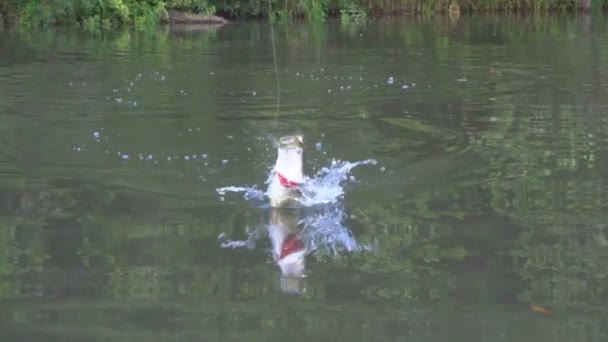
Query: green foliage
[(146, 14), (195, 6), (94, 14), (315, 10), (91, 14)]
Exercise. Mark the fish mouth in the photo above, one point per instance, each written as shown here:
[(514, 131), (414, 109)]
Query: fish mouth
[(291, 141)]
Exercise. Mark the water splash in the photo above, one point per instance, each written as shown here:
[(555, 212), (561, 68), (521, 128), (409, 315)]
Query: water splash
[(252, 237), (325, 232), (249, 193), (325, 187), (322, 229)]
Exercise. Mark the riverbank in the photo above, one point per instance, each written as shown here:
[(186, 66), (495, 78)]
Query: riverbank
[(110, 13)]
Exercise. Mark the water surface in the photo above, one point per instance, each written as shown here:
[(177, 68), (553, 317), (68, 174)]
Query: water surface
[(485, 213)]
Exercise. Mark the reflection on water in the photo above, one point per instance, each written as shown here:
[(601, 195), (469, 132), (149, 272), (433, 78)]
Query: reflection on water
[(477, 210), (293, 236)]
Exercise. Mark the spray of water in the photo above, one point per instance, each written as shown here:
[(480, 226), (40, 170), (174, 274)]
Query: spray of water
[(325, 232), (248, 193), (326, 187), (323, 229)]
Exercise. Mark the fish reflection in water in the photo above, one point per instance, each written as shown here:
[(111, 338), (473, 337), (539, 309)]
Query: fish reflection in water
[(295, 234)]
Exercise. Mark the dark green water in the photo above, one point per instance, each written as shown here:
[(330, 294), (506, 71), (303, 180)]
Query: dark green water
[(490, 193)]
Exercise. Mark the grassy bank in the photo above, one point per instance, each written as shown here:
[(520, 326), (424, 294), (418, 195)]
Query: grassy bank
[(107, 13)]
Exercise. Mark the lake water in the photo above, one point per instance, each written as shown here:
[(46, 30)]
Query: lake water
[(479, 213)]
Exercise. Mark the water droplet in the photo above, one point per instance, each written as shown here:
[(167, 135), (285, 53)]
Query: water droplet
[(186, 158), (204, 155), (404, 86), (168, 158), (318, 146), (124, 156), (382, 168), (390, 80), (224, 161), (254, 93), (96, 135), (211, 73)]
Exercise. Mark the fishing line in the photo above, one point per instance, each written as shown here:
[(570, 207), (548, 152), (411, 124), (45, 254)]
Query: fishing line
[(276, 66)]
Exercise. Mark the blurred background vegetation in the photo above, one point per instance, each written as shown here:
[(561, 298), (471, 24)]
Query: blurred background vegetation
[(107, 13)]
